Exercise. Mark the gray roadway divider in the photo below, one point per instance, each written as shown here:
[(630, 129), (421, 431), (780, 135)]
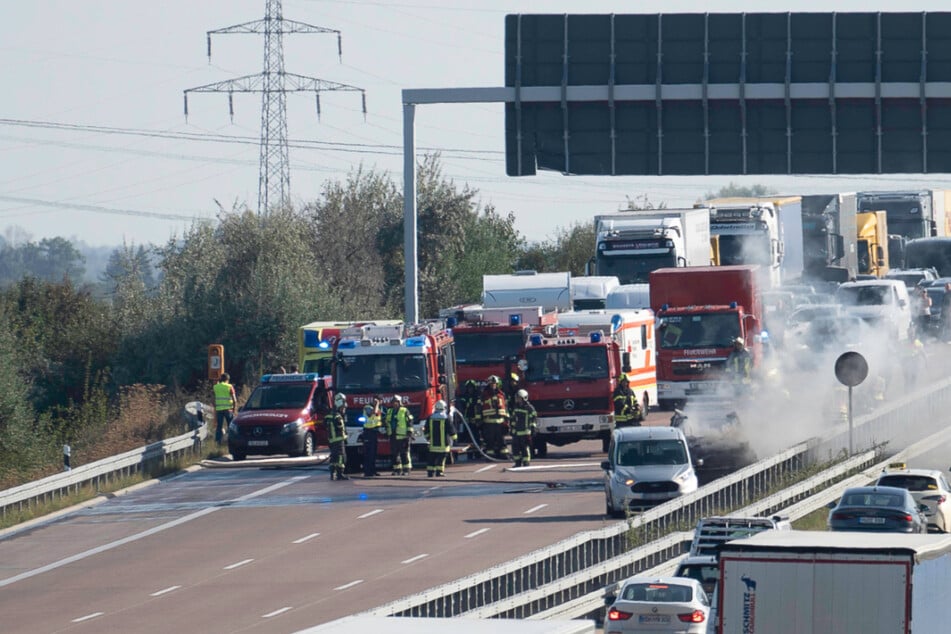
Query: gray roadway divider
[(568, 579), (139, 460)]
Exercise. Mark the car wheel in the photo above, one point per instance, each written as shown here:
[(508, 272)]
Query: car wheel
[(308, 445), (354, 463), (605, 443), (238, 456), (541, 448)]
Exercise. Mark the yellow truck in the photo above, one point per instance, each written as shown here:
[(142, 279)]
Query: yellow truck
[(872, 243)]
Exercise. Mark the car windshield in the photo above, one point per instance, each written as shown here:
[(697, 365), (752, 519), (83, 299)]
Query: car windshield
[(873, 499), (701, 330), (909, 279), (910, 482), (560, 364), (876, 295), (486, 347), (657, 593), (279, 397), (706, 574), (809, 313), (381, 373), (639, 453), (745, 249)]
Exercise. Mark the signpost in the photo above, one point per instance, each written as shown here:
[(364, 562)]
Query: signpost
[(851, 369)]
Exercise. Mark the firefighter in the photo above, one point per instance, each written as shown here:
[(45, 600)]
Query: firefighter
[(627, 409), (399, 424), (468, 405), (440, 431), (523, 427), (225, 404), (511, 386), (336, 423), (494, 416), (372, 425), (739, 365)]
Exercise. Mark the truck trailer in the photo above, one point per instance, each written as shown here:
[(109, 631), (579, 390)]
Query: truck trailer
[(790, 582), (551, 291), (631, 244), (829, 235)]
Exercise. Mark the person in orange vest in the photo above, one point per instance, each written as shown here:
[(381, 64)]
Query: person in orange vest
[(494, 416), (225, 404)]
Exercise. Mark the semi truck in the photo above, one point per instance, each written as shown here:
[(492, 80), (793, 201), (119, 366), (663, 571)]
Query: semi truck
[(829, 237), (847, 582), (491, 341), (911, 213), (751, 231), (699, 312), (631, 244), (551, 291), (571, 378), (415, 361), (872, 243)]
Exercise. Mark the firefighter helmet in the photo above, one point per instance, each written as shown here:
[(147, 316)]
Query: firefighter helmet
[(739, 341), (440, 406), (522, 394), (340, 400), (397, 399), (623, 379), (492, 379)]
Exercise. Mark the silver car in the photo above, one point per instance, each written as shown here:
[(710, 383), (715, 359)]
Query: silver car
[(645, 466), (658, 605)]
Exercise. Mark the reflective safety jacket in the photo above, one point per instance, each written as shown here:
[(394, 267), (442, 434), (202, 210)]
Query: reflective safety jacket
[(223, 400), (374, 420), (739, 365), (336, 426), (523, 419), (399, 422), (439, 432), (493, 407)]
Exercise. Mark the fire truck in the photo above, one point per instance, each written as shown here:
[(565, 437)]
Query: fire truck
[(491, 341), (571, 378), (415, 361)]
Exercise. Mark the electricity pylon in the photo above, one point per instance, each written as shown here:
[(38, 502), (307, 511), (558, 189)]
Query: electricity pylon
[(274, 180)]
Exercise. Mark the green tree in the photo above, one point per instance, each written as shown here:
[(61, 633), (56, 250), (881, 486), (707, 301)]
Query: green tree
[(735, 190)]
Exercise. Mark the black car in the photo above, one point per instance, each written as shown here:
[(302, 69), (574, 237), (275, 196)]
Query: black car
[(877, 508)]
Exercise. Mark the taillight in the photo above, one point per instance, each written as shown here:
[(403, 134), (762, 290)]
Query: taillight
[(616, 615), (842, 516), (697, 616), (906, 518)]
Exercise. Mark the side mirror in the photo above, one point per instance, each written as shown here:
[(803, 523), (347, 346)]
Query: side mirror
[(831, 505), (902, 303), (923, 508), (609, 599), (442, 379), (606, 465), (698, 462)]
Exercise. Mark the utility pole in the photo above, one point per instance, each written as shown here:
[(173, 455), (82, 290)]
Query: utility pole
[(274, 179)]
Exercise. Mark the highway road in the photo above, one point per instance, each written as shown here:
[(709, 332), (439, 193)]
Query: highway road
[(245, 548)]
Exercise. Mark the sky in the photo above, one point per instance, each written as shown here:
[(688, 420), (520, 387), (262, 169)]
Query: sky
[(94, 144)]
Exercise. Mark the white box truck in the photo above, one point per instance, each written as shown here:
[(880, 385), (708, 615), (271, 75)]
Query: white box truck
[(551, 291), (631, 244), (846, 582)]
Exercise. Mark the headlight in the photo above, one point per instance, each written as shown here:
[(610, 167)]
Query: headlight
[(604, 419), (290, 428), (233, 428), (683, 477), (663, 386)]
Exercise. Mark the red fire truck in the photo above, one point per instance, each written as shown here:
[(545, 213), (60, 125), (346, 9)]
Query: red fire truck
[(491, 341), (415, 361)]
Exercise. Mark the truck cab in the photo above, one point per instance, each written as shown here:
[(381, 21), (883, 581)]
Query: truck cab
[(872, 243), (748, 231), (283, 415)]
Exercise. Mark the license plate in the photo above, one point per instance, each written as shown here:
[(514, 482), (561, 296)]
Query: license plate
[(703, 386), (257, 443), (653, 618), (654, 496), (871, 520), (570, 428)]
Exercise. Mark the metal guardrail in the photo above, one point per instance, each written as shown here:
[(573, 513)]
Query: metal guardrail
[(563, 578), (140, 460)]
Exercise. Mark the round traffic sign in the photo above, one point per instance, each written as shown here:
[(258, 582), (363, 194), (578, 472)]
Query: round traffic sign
[(851, 368)]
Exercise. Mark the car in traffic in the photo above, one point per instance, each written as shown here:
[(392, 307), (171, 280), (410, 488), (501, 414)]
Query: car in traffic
[(928, 487), (658, 604), (885, 304), (877, 508), (646, 465), (912, 277)]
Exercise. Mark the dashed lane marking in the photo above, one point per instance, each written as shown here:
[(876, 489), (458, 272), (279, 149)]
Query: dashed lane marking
[(478, 532)]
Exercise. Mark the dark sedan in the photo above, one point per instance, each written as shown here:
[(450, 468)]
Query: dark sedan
[(877, 508)]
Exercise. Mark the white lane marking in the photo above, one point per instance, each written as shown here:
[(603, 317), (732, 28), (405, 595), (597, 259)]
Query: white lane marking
[(535, 508), (349, 585), (87, 617), (416, 558), (275, 612), (238, 564), (306, 538), (165, 591), (553, 467), (370, 514), (485, 468), (146, 533), (478, 532)]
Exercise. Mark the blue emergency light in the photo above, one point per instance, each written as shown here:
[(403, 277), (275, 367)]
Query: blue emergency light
[(596, 337), (416, 342), (515, 320), (347, 344), (324, 345), (733, 304), (536, 340), (665, 307), (451, 322)]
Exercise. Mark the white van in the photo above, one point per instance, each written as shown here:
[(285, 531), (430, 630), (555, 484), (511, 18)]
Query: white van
[(629, 296), (884, 304)]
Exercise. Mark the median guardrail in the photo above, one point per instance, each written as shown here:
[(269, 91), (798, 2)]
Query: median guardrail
[(141, 460), (572, 571)]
